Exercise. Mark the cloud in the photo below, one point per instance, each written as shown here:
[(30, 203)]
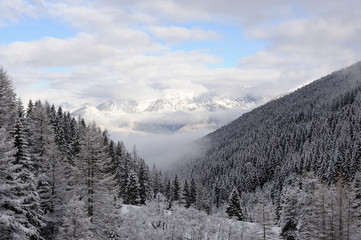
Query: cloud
[(307, 48), (175, 34), (12, 10)]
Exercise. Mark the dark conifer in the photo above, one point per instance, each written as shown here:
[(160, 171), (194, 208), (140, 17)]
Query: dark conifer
[(186, 195), (175, 189), (234, 206)]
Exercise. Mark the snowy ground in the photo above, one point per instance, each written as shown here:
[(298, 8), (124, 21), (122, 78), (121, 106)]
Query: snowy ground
[(155, 222)]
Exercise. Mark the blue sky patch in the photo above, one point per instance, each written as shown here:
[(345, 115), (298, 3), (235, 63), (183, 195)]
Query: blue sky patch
[(30, 29)]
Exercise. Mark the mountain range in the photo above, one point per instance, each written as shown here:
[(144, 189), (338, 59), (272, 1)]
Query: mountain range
[(148, 116)]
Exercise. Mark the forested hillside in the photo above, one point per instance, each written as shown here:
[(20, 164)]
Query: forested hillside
[(299, 155), (289, 169)]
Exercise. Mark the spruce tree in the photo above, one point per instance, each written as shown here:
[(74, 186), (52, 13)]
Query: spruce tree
[(234, 209), (289, 209), (95, 182), (186, 195), (176, 189), (156, 177), (144, 181), (355, 195), (20, 142), (168, 192), (20, 202), (40, 138), (193, 192), (8, 108), (131, 189)]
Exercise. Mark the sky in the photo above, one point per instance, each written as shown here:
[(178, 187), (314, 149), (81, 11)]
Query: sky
[(90, 51)]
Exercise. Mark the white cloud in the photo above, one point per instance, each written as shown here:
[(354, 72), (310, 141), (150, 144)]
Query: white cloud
[(306, 49), (175, 34), (12, 10)]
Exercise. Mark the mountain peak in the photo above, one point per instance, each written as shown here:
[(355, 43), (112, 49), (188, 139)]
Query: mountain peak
[(119, 105), (134, 114)]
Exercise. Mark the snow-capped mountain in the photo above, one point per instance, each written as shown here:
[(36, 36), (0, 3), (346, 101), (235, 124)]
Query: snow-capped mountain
[(170, 112), (177, 101), (127, 106)]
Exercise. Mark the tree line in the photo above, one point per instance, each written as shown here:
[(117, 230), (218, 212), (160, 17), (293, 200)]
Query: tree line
[(64, 179)]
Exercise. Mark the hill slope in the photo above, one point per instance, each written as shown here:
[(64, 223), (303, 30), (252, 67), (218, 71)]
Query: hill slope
[(317, 127)]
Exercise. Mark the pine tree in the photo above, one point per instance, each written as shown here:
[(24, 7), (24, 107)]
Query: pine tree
[(203, 201), (217, 196), (193, 192), (186, 195), (30, 108), (175, 189), (307, 226), (8, 106), (76, 223), (95, 182), (168, 192), (290, 208), (131, 189), (144, 182), (11, 225), (20, 142), (156, 181), (59, 130), (51, 168), (321, 211), (19, 204), (355, 197), (234, 206)]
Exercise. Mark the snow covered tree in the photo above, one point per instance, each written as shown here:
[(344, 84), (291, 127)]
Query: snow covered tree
[(52, 169), (321, 210), (216, 196), (19, 205), (156, 177), (192, 192), (186, 195), (131, 189), (60, 132), (8, 106), (175, 189), (168, 192), (290, 208), (95, 182), (355, 197), (20, 142), (203, 200), (265, 215), (42, 147), (234, 209), (144, 182), (307, 225), (76, 223)]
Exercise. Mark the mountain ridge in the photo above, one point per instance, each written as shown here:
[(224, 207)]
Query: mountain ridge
[(283, 137), (175, 102), (177, 107)]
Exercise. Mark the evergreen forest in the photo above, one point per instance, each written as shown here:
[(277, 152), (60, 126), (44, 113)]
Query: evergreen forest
[(289, 169)]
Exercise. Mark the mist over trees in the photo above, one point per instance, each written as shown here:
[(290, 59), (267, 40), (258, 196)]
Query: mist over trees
[(289, 169)]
